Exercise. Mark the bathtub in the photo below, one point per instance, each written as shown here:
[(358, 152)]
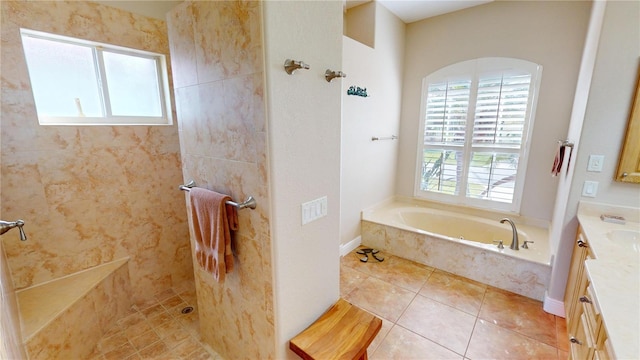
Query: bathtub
[(461, 244)]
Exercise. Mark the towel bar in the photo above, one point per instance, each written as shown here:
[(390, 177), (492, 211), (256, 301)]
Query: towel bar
[(249, 203)]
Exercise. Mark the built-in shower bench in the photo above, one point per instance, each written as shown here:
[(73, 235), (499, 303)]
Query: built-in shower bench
[(65, 317)]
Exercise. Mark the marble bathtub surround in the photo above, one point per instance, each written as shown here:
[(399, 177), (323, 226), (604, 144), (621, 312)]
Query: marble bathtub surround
[(217, 62), (429, 311), (90, 194), (525, 272)]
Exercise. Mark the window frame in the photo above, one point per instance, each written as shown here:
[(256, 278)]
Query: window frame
[(473, 70), (109, 119)]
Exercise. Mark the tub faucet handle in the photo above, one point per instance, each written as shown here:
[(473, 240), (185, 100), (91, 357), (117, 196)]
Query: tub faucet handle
[(525, 246), (500, 244), (8, 225)]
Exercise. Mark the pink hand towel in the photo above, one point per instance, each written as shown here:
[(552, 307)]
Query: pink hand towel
[(212, 221)]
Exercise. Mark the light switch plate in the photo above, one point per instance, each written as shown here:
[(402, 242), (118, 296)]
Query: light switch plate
[(314, 209), (595, 163), (590, 189)]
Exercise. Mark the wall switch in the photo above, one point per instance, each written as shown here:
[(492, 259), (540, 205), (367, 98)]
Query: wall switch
[(314, 209), (590, 189), (595, 163)]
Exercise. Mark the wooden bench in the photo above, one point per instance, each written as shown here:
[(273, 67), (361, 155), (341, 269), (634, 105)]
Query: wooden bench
[(343, 332)]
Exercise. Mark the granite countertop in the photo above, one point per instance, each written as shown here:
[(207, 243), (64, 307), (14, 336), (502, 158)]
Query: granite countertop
[(614, 276)]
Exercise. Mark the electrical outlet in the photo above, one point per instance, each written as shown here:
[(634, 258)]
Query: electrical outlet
[(595, 163)]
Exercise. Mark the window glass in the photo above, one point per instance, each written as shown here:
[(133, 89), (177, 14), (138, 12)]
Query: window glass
[(76, 81), (63, 78), (133, 85)]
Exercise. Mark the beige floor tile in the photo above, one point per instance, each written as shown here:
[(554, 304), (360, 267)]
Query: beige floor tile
[(490, 341), (144, 340), (349, 279), (381, 298), (520, 314), (403, 344), (439, 323), (561, 334), (154, 351), (404, 273), (384, 330), (120, 353), (454, 291)]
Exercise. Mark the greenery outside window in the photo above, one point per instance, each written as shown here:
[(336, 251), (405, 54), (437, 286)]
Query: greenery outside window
[(476, 121), (78, 82)]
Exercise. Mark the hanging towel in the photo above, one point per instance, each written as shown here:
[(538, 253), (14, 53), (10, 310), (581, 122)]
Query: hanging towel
[(212, 221), (557, 161)]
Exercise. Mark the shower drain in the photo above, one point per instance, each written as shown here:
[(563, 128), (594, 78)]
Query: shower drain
[(187, 309)]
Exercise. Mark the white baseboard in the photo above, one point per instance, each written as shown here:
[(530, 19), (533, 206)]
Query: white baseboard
[(350, 246), (553, 306)]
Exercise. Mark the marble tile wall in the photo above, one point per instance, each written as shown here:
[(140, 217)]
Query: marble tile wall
[(88, 194), (217, 64), (75, 332), (10, 339)]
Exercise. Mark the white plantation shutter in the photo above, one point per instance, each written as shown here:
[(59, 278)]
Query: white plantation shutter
[(446, 112), (501, 107), (476, 119)]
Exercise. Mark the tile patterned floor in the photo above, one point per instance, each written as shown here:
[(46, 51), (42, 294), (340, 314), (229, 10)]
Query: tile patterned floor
[(157, 330), (426, 314), (431, 314)]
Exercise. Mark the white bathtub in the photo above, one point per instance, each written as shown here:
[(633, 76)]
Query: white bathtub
[(462, 244)]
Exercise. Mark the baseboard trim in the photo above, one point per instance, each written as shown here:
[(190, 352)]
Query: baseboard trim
[(553, 306), (350, 246)]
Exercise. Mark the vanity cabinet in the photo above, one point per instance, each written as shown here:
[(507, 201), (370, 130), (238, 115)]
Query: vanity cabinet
[(587, 334)]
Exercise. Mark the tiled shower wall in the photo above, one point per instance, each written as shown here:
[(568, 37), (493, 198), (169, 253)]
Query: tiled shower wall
[(217, 59), (88, 194)]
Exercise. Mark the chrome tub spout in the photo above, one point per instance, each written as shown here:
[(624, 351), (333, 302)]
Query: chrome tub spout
[(514, 241), (7, 225)]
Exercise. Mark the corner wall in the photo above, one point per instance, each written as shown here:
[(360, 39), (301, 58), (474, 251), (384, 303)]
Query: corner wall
[(368, 171), (88, 194)]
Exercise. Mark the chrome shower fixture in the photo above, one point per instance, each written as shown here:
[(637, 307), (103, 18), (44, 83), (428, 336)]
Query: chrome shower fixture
[(290, 66), (330, 75)]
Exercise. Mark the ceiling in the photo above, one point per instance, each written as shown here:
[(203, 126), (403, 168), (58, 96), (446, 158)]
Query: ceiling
[(414, 10), (407, 10)]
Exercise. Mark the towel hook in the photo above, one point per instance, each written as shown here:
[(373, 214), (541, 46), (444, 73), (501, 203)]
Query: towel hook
[(330, 75)]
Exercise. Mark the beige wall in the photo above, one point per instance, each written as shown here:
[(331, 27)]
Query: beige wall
[(88, 194), (550, 33), (605, 121), (218, 71), (304, 159), (369, 167)]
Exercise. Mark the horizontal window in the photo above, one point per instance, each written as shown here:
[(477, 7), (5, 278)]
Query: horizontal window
[(77, 82)]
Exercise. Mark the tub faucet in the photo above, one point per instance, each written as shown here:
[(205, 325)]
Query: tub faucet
[(7, 225), (514, 240)]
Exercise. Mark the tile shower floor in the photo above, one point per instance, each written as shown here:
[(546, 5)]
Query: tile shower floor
[(426, 314), (431, 314), (157, 330)]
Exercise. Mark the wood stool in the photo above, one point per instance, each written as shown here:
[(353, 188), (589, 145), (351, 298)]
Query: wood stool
[(343, 332)]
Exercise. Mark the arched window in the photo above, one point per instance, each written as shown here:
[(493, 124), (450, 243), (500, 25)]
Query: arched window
[(476, 121)]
